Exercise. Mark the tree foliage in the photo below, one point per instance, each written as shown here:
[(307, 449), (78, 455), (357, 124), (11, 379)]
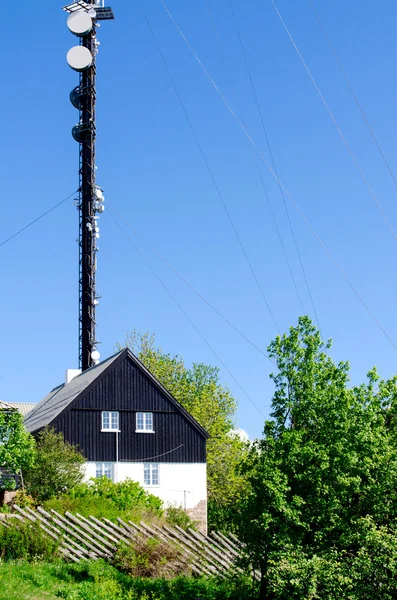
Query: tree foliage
[(57, 468), (322, 483), (199, 391), (16, 444)]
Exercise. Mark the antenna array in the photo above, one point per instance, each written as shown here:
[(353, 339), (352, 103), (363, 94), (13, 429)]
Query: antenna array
[(82, 22)]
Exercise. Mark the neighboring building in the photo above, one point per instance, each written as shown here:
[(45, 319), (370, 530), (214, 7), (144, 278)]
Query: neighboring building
[(127, 424), (23, 407)]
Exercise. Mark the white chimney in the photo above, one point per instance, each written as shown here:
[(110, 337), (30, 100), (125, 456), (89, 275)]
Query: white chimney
[(71, 374)]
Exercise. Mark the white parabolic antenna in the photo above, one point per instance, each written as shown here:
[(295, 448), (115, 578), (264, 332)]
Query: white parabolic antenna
[(79, 58), (79, 23), (95, 355)]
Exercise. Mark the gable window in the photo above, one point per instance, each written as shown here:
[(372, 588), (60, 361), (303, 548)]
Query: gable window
[(151, 474), (104, 470), (110, 420), (144, 422)]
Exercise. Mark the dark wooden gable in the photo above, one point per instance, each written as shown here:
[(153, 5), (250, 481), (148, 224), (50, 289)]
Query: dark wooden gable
[(127, 387)]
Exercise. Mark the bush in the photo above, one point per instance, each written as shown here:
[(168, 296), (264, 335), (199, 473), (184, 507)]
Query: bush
[(177, 516), (24, 500), (103, 498), (26, 540), (150, 557), (57, 469)]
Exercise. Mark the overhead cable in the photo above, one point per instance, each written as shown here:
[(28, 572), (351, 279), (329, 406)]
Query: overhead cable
[(275, 170), (192, 288), (184, 313), (242, 120), (14, 235), (365, 180), (352, 91), (218, 191), (252, 142)]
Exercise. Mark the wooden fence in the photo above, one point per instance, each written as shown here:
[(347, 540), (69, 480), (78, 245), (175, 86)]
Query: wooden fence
[(92, 538)]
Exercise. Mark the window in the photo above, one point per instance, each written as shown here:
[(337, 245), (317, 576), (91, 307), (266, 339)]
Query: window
[(144, 422), (110, 421), (104, 470), (151, 474)]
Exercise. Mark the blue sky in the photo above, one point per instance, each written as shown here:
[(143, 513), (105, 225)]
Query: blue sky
[(155, 177)]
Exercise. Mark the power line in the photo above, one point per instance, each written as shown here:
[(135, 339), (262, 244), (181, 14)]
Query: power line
[(334, 121), (14, 235), (185, 313), (252, 142), (275, 170), (192, 288), (279, 237), (218, 191), (353, 92), (217, 35)]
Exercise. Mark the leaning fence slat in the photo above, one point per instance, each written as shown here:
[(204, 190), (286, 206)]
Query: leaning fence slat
[(87, 532), (105, 535)]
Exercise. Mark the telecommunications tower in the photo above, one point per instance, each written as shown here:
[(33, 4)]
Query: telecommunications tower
[(83, 21)]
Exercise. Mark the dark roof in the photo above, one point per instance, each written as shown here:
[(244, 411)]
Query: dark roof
[(61, 397)]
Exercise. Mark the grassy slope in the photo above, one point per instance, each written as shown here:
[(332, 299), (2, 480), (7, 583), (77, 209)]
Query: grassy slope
[(42, 581), (20, 580)]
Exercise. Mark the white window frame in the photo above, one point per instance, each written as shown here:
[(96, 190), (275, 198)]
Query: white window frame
[(145, 428), (102, 467), (110, 414), (151, 467)]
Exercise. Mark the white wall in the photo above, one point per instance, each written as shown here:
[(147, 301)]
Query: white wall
[(178, 482)]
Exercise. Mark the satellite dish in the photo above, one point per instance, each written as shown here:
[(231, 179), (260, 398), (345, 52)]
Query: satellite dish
[(92, 13), (95, 355), (79, 23), (79, 58)]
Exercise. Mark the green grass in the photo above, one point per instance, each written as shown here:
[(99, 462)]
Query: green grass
[(20, 580)]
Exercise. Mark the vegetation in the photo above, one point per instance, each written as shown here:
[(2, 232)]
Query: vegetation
[(57, 467), (314, 501), (199, 391), (26, 540), (100, 581), (151, 557), (321, 489), (126, 499), (16, 445), (103, 498)]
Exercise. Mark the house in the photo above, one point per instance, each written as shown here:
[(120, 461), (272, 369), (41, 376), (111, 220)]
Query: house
[(127, 425)]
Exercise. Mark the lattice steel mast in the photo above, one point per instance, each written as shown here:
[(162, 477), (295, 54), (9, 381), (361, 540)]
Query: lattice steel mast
[(82, 22)]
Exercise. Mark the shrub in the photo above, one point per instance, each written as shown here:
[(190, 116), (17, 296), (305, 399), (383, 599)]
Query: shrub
[(103, 498), (177, 516), (57, 469), (24, 500), (150, 557), (26, 540)]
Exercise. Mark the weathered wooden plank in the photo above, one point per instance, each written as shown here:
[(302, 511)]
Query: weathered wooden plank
[(74, 553), (225, 544), (112, 545), (106, 527), (128, 528), (205, 549), (88, 531), (112, 525), (222, 557), (79, 535)]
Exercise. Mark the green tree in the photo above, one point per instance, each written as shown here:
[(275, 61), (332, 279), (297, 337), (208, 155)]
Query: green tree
[(327, 460), (57, 469), (17, 447), (199, 391)]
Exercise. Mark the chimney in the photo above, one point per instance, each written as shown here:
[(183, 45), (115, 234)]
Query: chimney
[(71, 374)]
